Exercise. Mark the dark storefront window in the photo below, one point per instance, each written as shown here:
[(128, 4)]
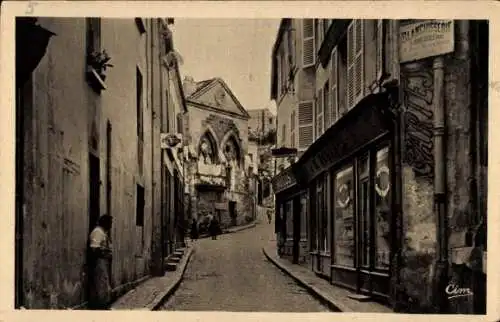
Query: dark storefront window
[(289, 219), (364, 210), (314, 222), (382, 209), (303, 217), (320, 214), (344, 218)]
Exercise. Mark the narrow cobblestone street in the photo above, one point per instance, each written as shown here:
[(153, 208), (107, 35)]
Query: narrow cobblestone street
[(232, 274)]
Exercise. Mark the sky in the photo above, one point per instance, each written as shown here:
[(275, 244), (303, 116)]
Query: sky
[(237, 50)]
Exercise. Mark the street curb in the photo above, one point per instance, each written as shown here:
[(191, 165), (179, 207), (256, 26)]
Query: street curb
[(336, 307), (160, 299)]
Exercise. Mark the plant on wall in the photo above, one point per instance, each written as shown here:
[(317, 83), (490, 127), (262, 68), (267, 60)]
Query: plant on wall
[(99, 61)]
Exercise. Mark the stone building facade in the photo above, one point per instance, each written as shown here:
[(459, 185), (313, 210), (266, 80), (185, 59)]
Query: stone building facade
[(393, 187), (87, 144), (219, 177)]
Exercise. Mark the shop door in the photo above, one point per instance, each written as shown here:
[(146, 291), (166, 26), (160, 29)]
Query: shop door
[(373, 212)]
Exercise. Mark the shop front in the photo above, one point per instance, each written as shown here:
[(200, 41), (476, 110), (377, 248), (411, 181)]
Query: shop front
[(349, 173), (291, 224)]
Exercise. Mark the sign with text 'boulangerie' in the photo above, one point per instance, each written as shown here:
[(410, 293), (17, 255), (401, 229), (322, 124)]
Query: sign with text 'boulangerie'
[(426, 38)]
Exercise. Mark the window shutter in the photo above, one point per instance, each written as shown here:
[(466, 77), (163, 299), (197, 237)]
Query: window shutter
[(355, 63), (380, 42), (333, 79), (350, 65), (305, 124), (308, 45), (327, 111), (359, 63), (319, 114)]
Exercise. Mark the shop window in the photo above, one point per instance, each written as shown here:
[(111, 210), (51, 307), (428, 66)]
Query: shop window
[(303, 217), (382, 209), (344, 218)]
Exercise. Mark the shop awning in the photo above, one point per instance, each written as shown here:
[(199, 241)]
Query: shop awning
[(369, 120)]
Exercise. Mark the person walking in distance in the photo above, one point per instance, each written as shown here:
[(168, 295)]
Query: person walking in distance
[(194, 230), (100, 264), (214, 228), (269, 216)]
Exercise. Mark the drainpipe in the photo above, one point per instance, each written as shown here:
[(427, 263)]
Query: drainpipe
[(441, 276)]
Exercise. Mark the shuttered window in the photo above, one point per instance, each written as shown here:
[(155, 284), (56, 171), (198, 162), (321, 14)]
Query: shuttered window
[(305, 124), (326, 105), (333, 83), (380, 41), (355, 63), (292, 129), (308, 45), (319, 113)]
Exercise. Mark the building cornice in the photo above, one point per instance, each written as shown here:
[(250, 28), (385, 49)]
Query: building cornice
[(214, 109)]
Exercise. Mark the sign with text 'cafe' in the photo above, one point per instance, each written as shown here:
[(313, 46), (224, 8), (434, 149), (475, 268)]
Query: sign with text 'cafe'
[(425, 38)]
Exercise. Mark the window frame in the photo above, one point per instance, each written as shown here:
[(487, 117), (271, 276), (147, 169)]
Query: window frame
[(312, 40)]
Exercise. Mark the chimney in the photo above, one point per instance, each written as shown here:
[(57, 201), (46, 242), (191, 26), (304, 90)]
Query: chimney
[(189, 85)]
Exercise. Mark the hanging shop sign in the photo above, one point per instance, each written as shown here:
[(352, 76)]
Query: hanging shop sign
[(283, 180), (425, 38)]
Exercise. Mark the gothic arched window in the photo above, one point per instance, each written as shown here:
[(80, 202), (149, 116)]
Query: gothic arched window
[(207, 150), (232, 152)]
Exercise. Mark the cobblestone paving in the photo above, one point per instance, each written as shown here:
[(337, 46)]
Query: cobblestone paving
[(232, 274)]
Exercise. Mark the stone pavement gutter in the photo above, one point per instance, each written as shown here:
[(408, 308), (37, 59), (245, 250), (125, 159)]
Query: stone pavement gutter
[(336, 298), (151, 294), (232, 229)]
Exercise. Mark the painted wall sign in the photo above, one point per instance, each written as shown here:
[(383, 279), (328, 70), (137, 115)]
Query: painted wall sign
[(426, 38), (418, 97)]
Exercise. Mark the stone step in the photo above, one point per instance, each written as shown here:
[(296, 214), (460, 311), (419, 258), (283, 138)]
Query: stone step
[(359, 297), (170, 267), (178, 253), (173, 259)]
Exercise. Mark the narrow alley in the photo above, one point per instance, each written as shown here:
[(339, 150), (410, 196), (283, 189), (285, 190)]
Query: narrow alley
[(232, 274)]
